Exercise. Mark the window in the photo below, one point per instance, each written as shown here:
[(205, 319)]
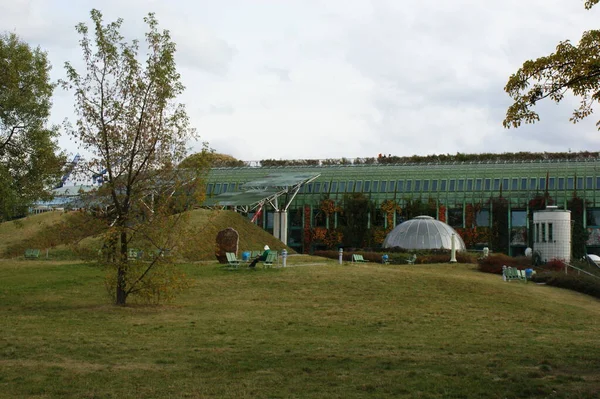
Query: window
[(523, 184), (455, 217), (209, 188), (570, 183), (391, 187), (417, 185), (383, 187), (532, 183), (561, 183), (505, 185), (218, 188), (518, 218), (461, 185), (542, 183), (375, 187), (325, 187), (308, 188), (443, 185), (400, 186), (225, 187), (496, 184), (589, 183), (597, 183), (350, 186), (334, 187), (452, 185), (434, 184), (425, 185), (579, 183), (536, 233), (470, 185), (358, 186), (342, 186), (593, 217), (550, 233), (543, 232), (317, 187), (551, 181), (482, 218), (488, 184), (478, 185), (515, 184), (408, 186), (367, 187)]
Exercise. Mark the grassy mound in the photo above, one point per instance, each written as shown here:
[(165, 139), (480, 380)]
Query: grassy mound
[(326, 331), (69, 235)]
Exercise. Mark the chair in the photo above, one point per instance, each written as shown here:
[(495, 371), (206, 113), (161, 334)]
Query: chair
[(232, 260), (254, 254), (358, 258), (134, 254), (271, 257), (32, 253), (412, 259)]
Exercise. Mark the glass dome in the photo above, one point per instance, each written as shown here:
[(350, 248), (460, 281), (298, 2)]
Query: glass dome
[(423, 232)]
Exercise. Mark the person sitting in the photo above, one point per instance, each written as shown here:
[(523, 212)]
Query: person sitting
[(262, 257)]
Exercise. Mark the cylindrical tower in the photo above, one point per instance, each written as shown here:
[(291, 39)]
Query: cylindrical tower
[(552, 234)]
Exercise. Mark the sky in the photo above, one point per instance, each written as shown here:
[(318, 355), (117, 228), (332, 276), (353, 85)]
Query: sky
[(316, 79)]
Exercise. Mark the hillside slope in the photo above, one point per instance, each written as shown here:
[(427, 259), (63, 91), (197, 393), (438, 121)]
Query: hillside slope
[(57, 232)]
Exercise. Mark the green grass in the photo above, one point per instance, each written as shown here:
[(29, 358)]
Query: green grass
[(318, 330)]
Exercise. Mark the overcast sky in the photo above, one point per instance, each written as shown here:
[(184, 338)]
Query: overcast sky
[(348, 78)]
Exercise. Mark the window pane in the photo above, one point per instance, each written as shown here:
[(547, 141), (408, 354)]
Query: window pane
[(425, 185), (317, 187), (523, 184), (561, 183), (326, 187), (470, 185), (496, 184), (209, 189), (334, 187), (482, 218), (542, 185), (358, 187), (478, 185), (589, 183), (400, 186), (461, 185), (375, 187), (515, 184), (408, 186), (443, 185), (518, 218), (532, 183), (570, 183), (434, 185), (579, 183), (488, 184), (593, 217), (342, 187), (452, 185), (505, 185), (367, 186), (350, 186), (392, 186), (551, 182), (308, 188), (417, 185), (455, 217), (218, 188), (383, 187)]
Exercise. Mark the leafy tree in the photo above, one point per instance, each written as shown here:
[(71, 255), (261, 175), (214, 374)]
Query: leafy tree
[(355, 211), (29, 159), (572, 68), (209, 158), (130, 123)]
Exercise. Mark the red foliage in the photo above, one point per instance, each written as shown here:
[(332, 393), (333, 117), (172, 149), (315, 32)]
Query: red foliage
[(555, 265), (494, 263)]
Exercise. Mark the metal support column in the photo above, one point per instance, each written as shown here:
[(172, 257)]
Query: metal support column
[(276, 226), (283, 226)]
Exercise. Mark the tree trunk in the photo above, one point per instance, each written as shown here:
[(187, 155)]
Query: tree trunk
[(121, 294)]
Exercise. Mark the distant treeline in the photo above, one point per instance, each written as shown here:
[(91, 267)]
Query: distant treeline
[(441, 158)]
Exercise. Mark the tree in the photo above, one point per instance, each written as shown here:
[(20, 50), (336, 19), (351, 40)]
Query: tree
[(571, 68), (135, 132), (29, 158)]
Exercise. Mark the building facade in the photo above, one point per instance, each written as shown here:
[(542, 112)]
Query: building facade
[(463, 194)]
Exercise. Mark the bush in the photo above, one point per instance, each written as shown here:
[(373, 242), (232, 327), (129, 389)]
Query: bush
[(494, 263), (580, 283), (553, 265), (401, 257)]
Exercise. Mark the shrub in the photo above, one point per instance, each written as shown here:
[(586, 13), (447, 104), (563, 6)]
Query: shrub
[(553, 265), (580, 283), (398, 257), (494, 263)]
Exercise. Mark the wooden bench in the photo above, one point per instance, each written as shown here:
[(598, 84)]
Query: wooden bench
[(232, 261), (412, 259), (512, 273), (271, 258), (358, 258), (32, 253)]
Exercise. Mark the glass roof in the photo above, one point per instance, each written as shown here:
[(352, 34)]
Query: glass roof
[(240, 198), (281, 180), (423, 232)]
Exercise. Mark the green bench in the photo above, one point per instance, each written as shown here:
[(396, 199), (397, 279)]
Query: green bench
[(358, 258), (271, 258), (412, 259), (232, 261), (512, 273), (32, 253)]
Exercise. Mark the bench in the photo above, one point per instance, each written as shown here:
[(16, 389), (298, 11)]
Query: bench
[(512, 273), (32, 253), (271, 258), (232, 260), (412, 259), (358, 258), (134, 254)]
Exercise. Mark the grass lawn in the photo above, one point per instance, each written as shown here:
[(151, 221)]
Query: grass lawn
[(316, 331)]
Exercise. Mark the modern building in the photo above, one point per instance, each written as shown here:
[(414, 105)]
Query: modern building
[(287, 198)]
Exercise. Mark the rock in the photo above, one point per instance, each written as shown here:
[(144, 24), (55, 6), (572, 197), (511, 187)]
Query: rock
[(227, 241)]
